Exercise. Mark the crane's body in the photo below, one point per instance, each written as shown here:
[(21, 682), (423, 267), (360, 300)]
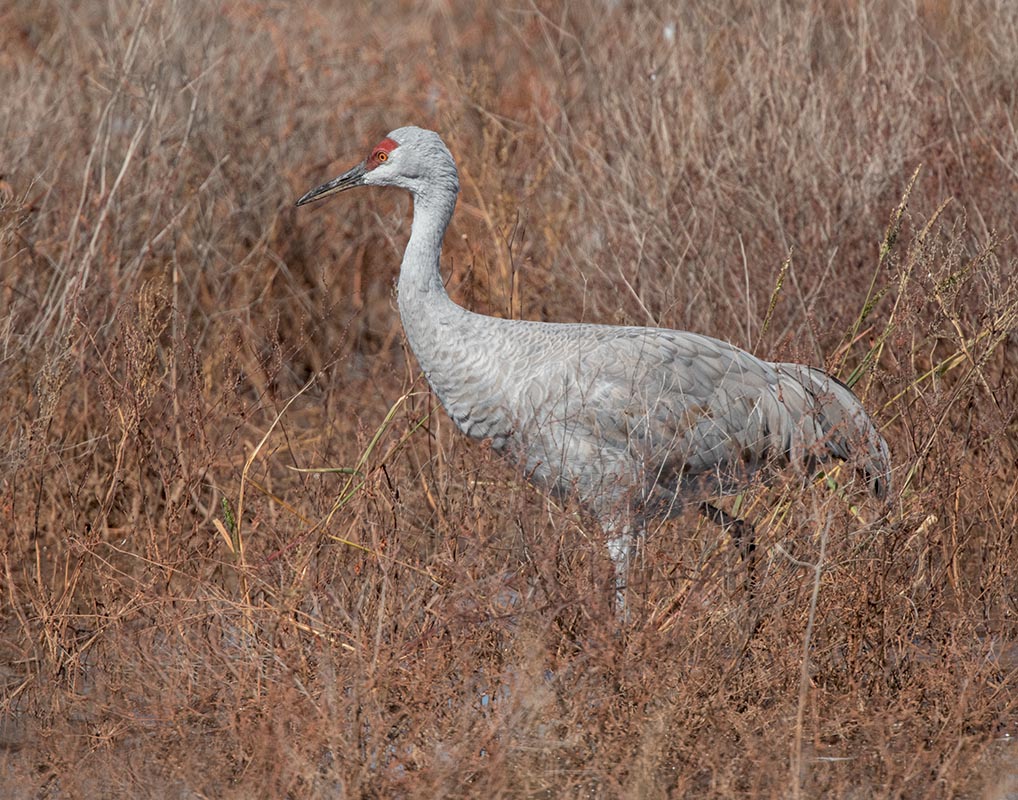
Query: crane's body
[(636, 421)]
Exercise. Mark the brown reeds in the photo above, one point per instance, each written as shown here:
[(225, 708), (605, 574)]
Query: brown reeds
[(244, 553)]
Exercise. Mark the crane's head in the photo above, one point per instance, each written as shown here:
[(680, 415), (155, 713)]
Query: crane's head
[(411, 158)]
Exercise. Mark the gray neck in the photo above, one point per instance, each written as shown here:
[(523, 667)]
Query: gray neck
[(423, 302), (419, 277)]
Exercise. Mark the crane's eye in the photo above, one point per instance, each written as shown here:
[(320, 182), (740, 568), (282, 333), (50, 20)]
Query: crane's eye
[(381, 155)]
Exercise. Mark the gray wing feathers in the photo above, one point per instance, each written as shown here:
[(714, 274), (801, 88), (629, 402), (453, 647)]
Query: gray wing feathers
[(843, 428), (605, 409), (696, 409)]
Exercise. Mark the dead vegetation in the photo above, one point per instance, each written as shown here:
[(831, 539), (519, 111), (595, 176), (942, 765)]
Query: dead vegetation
[(244, 552)]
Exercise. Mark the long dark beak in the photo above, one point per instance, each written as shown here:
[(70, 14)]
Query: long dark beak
[(349, 179)]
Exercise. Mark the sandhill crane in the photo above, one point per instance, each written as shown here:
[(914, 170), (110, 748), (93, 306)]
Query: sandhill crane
[(636, 421)]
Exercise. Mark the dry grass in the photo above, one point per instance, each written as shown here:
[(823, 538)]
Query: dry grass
[(193, 608)]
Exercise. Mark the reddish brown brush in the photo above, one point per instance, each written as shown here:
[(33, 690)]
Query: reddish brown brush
[(244, 552)]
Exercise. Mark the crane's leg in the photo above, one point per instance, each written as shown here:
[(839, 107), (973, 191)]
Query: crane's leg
[(743, 536), (622, 549)]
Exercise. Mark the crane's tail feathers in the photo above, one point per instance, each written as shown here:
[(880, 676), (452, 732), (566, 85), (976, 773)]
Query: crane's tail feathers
[(842, 427)]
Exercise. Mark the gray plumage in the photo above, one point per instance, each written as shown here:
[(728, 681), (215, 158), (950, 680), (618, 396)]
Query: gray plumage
[(636, 421)]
